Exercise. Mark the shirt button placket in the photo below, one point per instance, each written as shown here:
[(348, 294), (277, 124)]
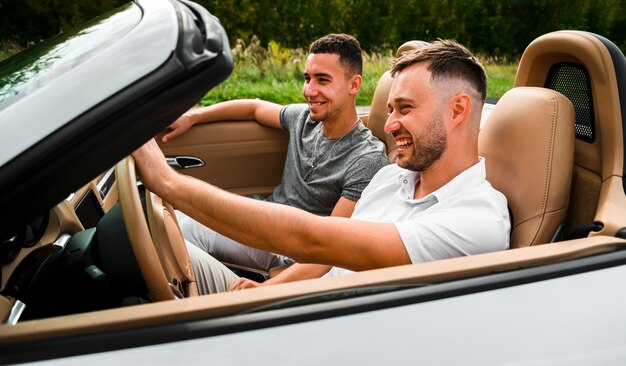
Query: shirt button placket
[(405, 182)]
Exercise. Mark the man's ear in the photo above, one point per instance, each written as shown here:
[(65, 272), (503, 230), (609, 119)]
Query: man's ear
[(355, 84), (461, 107)]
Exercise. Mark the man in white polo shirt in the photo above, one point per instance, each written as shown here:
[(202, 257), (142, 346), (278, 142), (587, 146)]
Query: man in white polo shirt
[(434, 203)]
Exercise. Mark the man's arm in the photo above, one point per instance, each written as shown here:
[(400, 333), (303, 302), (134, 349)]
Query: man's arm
[(344, 207), (305, 271), (305, 237), (295, 272), (299, 271), (266, 113)]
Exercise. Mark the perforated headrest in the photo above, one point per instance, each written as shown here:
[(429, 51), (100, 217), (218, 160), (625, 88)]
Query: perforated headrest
[(586, 68), (528, 146)]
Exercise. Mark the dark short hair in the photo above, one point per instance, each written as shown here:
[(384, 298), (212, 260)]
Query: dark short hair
[(344, 45), (448, 59)]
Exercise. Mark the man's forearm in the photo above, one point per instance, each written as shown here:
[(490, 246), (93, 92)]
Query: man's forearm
[(259, 224), (263, 112), (299, 271), (236, 110), (276, 228), (252, 222)]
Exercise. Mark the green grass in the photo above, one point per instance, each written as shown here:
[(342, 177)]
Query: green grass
[(275, 74), (500, 78)]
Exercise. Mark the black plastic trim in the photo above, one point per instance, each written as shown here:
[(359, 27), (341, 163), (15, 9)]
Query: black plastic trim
[(31, 182), (583, 69), (117, 340), (619, 64)]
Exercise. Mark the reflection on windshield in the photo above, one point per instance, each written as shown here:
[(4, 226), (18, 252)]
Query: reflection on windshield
[(32, 68)]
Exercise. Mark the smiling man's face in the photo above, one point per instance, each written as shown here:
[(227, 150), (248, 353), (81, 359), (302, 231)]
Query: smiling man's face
[(326, 86), (415, 119)]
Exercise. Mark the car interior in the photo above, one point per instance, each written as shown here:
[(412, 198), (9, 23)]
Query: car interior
[(554, 145)]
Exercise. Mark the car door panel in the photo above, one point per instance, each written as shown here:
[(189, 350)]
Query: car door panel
[(242, 157)]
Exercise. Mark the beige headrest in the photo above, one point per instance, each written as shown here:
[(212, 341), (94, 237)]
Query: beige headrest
[(528, 145), (410, 46), (605, 155)]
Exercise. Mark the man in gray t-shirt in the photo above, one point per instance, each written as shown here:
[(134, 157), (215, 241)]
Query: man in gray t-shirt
[(320, 170), (331, 155)]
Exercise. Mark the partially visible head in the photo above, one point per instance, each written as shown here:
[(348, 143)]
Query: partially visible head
[(435, 103), (344, 45), (332, 77), (448, 61)]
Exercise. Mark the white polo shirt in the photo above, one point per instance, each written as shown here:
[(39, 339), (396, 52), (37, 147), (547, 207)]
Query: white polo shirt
[(466, 216)]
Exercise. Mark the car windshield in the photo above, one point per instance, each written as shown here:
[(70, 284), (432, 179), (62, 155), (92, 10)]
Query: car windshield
[(26, 72)]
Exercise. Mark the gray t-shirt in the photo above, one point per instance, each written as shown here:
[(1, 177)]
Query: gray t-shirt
[(340, 167)]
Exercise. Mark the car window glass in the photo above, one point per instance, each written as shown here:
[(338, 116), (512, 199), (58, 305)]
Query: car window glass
[(26, 71)]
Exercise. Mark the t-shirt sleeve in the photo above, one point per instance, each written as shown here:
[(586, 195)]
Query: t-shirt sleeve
[(360, 173), (289, 114)]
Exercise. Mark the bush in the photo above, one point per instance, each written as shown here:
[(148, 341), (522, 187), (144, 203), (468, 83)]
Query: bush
[(490, 27), (26, 22)]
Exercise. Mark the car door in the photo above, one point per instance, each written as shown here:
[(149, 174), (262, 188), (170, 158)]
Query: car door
[(243, 157), (75, 105)]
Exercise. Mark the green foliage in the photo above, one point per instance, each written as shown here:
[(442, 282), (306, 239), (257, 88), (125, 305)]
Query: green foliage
[(8, 48), (490, 27), (26, 22), (275, 73)]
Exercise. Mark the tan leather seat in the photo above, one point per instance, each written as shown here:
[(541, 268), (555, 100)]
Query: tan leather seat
[(590, 71), (528, 145), (537, 182), (378, 109)]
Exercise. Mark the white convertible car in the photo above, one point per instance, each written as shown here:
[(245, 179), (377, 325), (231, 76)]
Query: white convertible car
[(86, 279)]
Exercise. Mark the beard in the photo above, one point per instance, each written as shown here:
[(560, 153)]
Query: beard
[(320, 117), (427, 148)]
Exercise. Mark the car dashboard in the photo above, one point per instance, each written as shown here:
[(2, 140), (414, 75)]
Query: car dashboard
[(47, 236)]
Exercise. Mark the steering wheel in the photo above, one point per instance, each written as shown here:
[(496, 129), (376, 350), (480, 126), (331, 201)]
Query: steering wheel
[(158, 243)]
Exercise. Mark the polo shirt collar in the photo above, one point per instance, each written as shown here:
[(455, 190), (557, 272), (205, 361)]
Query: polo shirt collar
[(472, 176)]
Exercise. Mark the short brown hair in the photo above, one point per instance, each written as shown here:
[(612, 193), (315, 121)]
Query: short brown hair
[(448, 59), (344, 45)]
